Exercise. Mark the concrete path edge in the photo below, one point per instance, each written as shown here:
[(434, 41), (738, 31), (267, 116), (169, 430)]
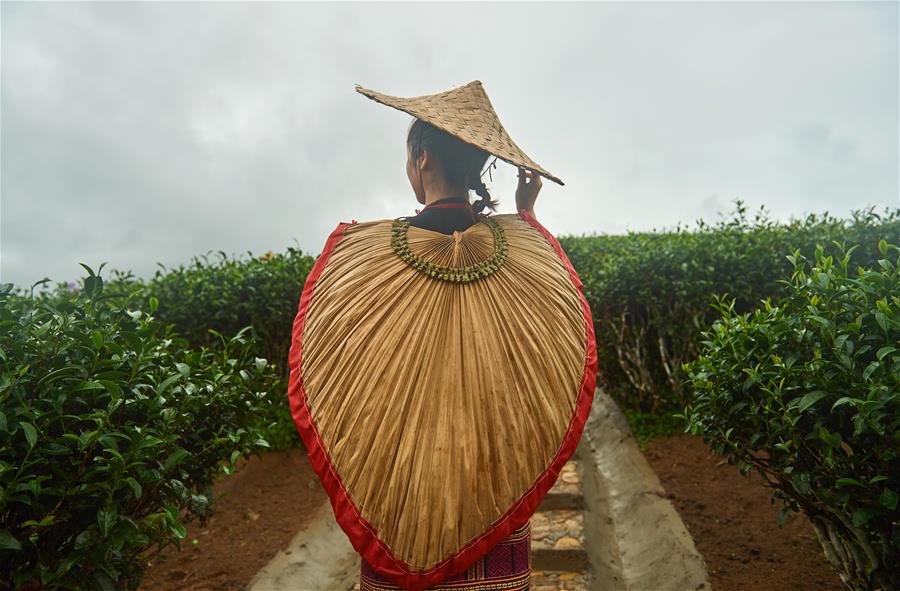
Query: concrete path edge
[(635, 537), (319, 558)]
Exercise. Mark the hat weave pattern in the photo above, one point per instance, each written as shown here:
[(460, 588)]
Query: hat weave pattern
[(465, 112)]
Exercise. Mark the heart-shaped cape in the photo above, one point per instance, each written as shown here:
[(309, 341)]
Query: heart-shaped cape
[(439, 383)]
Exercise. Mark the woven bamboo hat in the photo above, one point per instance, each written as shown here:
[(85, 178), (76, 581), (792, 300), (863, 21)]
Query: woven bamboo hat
[(466, 113), (439, 383)]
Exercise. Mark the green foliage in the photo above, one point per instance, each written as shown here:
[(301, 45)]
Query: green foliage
[(232, 293), (646, 426), (807, 392), (274, 420), (111, 430), (651, 293), (224, 295)]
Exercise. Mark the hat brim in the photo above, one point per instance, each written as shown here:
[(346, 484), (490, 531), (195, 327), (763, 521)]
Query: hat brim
[(466, 113)]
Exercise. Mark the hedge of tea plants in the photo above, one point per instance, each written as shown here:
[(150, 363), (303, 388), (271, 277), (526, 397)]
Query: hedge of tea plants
[(228, 294), (807, 392), (112, 428), (120, 400), (652, 293), (218, 294)]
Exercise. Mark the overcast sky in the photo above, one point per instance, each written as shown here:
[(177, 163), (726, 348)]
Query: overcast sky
[(138, 133)]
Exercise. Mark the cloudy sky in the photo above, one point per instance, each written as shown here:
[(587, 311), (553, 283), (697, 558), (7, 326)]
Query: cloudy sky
[(144, 133)]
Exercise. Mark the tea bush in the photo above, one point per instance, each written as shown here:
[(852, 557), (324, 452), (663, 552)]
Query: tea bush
[(229, 294), (111, 430), (218, 294), (807, 392), (651, 293)]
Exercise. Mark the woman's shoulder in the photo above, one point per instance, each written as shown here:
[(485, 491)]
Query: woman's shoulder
[(503, 219)]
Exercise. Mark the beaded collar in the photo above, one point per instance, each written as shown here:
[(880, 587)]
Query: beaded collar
[(452, 274)]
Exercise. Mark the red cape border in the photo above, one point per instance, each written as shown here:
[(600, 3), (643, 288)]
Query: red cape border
[(361, 533)]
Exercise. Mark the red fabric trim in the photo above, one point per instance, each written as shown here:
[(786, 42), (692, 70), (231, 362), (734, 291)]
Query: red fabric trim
[(449, 204), (362, 534), (445, 205)]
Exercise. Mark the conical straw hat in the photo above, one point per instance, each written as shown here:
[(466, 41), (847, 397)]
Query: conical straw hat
[(467, 113), (439, 383)]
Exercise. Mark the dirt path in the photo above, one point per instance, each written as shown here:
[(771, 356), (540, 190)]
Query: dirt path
[(258, 510), (261, 508), (733, 522)]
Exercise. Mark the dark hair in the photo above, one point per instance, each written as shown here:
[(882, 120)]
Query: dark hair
[(460, 162)]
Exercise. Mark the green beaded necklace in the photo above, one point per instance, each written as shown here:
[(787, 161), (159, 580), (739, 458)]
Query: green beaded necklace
[(453, 274)]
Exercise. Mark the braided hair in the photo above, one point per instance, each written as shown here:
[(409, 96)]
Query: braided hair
[(460, 162)]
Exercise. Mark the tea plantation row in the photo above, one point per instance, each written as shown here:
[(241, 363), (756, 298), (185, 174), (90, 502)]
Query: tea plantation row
[(778, 342)]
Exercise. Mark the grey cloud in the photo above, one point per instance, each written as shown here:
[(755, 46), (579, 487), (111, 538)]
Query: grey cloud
[(145, 132)]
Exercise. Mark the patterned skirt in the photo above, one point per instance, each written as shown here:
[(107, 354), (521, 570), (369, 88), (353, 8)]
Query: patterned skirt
[(507, 567)]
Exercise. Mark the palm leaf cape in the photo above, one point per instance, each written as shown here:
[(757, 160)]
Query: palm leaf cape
[(439, 383)]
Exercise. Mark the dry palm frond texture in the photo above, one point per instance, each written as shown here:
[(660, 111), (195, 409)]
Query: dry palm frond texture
[(465, 112), (439, 404)]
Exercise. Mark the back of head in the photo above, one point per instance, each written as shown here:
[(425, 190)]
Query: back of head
[(460, 162)]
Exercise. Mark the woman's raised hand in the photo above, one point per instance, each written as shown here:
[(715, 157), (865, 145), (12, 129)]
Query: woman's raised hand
[(527, 192)]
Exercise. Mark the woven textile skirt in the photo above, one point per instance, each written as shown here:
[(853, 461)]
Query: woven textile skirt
[(507, 567)]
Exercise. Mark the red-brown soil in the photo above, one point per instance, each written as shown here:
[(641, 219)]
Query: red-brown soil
[(257, 511), (733, 522), (260, 508)]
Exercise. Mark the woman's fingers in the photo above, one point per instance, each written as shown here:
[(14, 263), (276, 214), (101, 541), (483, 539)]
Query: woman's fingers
[(528, 189), (528, 175)]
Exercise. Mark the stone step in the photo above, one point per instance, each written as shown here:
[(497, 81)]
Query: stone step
[(566, 492), (568, 482), (574, 560), (557, 532), (561, 529), (555, 501)]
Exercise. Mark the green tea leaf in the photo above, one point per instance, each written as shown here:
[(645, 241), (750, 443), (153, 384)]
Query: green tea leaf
[(8, 541), (870, 369), (30, 433), (184, 369), (862, 516), (135, 486), (810, 399), (888, 499), (849, 482), (885, 351), (106, 518)]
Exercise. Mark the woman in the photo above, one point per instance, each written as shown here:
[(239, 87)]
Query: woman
[(443, 364), (439, 164)]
